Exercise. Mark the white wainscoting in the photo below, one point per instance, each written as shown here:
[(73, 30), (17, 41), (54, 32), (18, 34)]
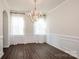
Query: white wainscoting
[(1, 46), (66, 43), (27, 39)]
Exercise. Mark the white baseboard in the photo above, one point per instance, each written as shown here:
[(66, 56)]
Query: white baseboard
[(1, 54)]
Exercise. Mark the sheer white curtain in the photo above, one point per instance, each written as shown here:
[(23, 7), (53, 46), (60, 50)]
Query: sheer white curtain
[(40, 27), (16, 28), (17, 24)]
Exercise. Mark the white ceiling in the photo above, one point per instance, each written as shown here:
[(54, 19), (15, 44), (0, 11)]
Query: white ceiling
[(43, 5)]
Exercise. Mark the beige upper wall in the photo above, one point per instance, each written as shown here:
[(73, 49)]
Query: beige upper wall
[(3, 6), (1, 10), (65, 18)]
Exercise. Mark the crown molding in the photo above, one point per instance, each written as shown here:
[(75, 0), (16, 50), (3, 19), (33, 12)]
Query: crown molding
[(65, 1)]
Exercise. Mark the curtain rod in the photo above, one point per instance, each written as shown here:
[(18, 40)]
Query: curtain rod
[(17, 12)]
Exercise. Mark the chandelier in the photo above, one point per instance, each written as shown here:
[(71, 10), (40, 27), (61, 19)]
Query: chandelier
[(34, 15)]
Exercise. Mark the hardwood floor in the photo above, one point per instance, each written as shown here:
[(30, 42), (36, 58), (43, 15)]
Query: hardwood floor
[(35, 51)]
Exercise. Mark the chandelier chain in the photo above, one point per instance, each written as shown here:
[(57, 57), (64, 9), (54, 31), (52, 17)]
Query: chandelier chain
[(35, 4)]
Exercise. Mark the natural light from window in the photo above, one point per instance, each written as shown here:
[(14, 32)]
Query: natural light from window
[(40, 27), (17, 24)]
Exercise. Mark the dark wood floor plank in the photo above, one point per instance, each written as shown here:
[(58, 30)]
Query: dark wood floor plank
[(35, 51)]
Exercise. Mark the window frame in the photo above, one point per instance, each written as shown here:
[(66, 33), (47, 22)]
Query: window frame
[(17, 14)]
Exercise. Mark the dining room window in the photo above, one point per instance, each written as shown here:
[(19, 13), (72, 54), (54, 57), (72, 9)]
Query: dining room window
[(17, 24), (40, 27)]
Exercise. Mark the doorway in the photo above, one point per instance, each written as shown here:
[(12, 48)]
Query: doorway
[(5, 29)]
